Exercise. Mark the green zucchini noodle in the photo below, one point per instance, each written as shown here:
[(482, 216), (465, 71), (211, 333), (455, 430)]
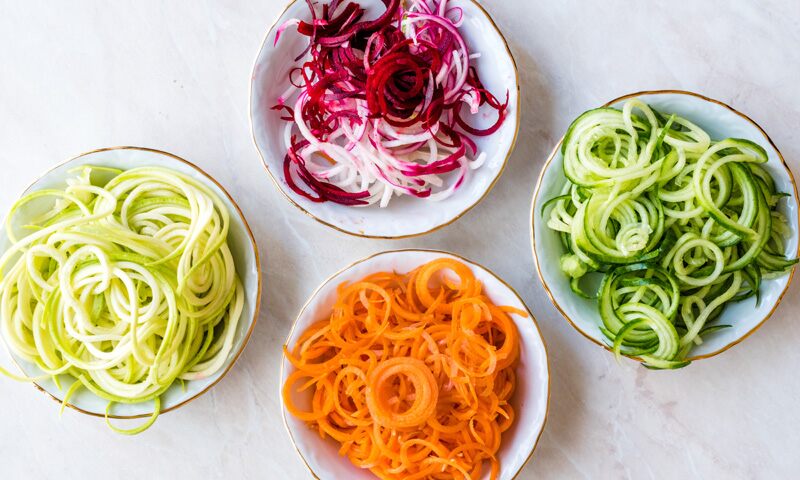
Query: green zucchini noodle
[(127, 287), (679, 226)]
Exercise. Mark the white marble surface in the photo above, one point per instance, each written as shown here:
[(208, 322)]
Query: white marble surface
[(174, 75)]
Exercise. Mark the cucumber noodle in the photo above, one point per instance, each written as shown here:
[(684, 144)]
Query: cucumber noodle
[(678, 224), (126, 287)]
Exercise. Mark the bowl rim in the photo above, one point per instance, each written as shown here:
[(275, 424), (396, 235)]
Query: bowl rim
[(259, 284), (469, 263), (276, 181), (555, 152)]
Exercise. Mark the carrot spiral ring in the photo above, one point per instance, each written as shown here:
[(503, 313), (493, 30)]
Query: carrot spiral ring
[(383, 394)]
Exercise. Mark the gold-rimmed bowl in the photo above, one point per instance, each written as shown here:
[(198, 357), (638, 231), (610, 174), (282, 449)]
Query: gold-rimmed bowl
[(530, 401), (720, 121), (243, 249), (405, 216)]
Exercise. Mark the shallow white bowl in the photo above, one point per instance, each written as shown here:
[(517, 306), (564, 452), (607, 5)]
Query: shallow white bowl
[(720, 121), (405, 216), (245, 253), (530, 401)]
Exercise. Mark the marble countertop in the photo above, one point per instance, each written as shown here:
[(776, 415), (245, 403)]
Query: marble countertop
[(174, 76)]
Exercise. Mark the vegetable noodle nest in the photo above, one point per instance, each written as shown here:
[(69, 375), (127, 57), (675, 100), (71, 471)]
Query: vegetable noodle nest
[(678, 225), (383, 108), (412, 374), (125, 287)]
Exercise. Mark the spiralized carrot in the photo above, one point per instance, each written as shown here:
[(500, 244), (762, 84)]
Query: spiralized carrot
[(412, 374)]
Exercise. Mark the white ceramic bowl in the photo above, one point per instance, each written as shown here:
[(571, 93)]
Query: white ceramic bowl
[(720, 121), (405, 216), (533, 376), (245, 254)]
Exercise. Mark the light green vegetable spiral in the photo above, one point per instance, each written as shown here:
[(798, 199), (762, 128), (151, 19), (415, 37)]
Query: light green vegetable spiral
[(128, 286)]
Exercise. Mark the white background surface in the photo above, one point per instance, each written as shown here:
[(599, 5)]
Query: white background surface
[(79, 75)]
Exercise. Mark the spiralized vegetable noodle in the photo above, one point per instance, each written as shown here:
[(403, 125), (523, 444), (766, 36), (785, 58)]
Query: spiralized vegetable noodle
[(127, 287), (378, 109), (412, 374), (678, 224)]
